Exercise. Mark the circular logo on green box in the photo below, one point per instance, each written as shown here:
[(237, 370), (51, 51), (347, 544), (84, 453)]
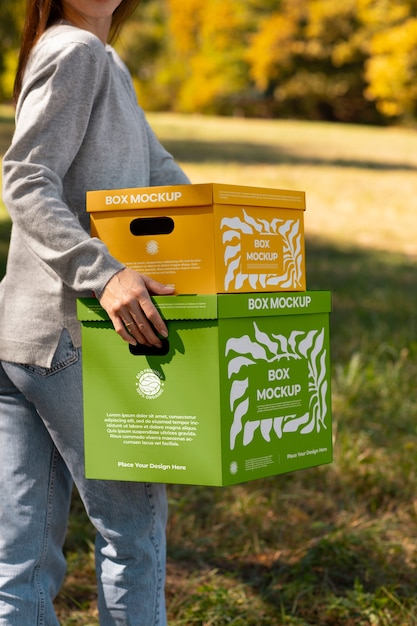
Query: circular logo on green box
[(149, 384)]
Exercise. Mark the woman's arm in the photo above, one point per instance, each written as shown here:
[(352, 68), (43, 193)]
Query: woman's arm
[(52, 117)]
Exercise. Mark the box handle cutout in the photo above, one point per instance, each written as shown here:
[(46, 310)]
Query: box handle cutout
[(151, 226), (141, 350)]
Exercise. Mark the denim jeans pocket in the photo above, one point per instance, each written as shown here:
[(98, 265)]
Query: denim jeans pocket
[(64, 356)]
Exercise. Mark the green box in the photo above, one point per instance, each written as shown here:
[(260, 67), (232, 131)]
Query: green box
[(240, 391)]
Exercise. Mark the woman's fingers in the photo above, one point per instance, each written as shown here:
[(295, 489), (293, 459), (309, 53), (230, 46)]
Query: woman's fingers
[(126, 298)]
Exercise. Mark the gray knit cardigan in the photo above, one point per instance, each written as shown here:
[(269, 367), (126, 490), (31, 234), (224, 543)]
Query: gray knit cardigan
[(78, 128)]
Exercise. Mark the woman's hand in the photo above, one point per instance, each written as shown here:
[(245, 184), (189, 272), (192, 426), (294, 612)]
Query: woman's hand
[(134, 316)]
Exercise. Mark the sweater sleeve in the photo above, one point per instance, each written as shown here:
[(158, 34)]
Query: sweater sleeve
[(53, 113), (163, 169)]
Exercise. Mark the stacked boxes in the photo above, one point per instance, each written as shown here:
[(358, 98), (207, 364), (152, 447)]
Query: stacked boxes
[(240, 390)]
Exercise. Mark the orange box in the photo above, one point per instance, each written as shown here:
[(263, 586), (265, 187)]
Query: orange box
[(206, 238)]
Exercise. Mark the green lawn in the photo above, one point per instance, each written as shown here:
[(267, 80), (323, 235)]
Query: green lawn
[(335, 545)]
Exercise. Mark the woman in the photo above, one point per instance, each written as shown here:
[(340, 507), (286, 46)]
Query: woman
[(78, 127)]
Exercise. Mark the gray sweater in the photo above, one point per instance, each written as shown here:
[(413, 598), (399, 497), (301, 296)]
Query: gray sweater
[(78, 128)]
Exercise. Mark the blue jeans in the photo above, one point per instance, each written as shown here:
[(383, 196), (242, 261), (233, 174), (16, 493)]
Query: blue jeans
[(41, 454)]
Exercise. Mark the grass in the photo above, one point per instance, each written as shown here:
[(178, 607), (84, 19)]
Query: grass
[(334, 545)]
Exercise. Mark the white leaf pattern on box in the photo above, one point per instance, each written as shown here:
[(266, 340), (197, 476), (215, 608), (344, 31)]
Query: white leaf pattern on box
[(244, 352), (289, 231)]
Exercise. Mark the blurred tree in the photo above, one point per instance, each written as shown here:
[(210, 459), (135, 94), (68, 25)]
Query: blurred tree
[(392, 64), (11, 21), (318, 59), (207, 43), (142, 46), (270, 57), (309, 56)]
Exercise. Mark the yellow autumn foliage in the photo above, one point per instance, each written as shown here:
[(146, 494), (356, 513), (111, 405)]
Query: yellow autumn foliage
[(271, 49), (391, 69), (354, 60)]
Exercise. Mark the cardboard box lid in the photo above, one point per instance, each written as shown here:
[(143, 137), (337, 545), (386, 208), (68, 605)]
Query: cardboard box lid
[(210, 307), (190, 307), (203, 194)]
